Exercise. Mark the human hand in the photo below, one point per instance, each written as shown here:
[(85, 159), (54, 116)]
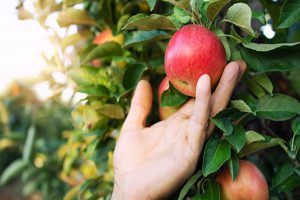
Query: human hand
[(151, 162)]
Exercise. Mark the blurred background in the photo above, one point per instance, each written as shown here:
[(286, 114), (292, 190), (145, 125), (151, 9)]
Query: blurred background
[(35, 103)]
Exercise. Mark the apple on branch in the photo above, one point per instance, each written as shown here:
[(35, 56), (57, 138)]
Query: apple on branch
[(106, 36), (249, 184), (193, 51)]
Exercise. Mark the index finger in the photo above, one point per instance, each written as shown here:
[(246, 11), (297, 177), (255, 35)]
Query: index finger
[(198, 121)]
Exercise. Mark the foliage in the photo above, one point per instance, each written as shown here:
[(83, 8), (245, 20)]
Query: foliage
[(29, 139), (261, 123)]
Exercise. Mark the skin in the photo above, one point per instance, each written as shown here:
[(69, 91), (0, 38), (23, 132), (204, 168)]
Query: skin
[(250, 183), (192, 52), (152, 162), (164, 112)]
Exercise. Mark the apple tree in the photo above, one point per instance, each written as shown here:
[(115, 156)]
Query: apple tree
[(261, 123)]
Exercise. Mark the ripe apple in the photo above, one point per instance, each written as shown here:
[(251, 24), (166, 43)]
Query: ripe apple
[(193, 51), (164, 112), (250, 183), (106, 36)]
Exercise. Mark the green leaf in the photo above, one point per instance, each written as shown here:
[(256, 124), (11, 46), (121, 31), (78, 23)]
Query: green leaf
[(254, 88), (122, 22), (86, 118), (112, 111), (278, 107), (214, 7), (282, 174), (136, 17), (275, 60), (189, 184), (84, 75), (264, 81), (29, 144), (241, 106), (253, 136), (148, 23), (145, 36), (172, 97), (297, 170), (267, 47), (72, 16), (151, 4), (296, 126), (290, 14), (133, 74), (297, 141), (237, 138), (212, 191), (260, 16), (285, 179), (258, 146), (216, 153), (181, 15), (196, 5), (240, 15), (94, 90), (13, 170), (234, 165), (107, 49), (224, 124), (224, 41)]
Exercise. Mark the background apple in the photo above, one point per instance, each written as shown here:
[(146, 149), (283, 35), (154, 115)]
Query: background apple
[(193, 51), (164, 112), (250, 183), (106, 36)]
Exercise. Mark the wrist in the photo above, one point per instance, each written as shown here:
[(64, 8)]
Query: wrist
[(120, 192)]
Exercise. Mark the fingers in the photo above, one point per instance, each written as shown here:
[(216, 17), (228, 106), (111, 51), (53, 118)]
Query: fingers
[(231, 75), (140, 108), (243, 67), (198, 120), (184, 111)]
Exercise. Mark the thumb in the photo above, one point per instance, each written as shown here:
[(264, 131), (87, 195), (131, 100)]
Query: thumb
[(140, 108)]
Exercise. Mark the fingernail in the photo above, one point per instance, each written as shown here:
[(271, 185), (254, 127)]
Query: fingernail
[(204, 82), (205, 78)]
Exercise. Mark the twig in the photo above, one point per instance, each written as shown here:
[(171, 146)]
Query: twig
[(268, 129), (236, 122)]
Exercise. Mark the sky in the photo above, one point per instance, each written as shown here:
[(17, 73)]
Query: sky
[(21, 44)]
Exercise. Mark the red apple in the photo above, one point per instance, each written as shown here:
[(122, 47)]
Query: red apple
[(164, 112), (106, 36), (250, 183), (193, 51)]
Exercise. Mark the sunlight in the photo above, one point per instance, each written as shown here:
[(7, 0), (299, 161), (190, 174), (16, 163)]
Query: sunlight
[(22, 43)]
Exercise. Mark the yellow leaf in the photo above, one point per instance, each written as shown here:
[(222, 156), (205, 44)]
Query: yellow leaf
[(71, 16), (72, 193)]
